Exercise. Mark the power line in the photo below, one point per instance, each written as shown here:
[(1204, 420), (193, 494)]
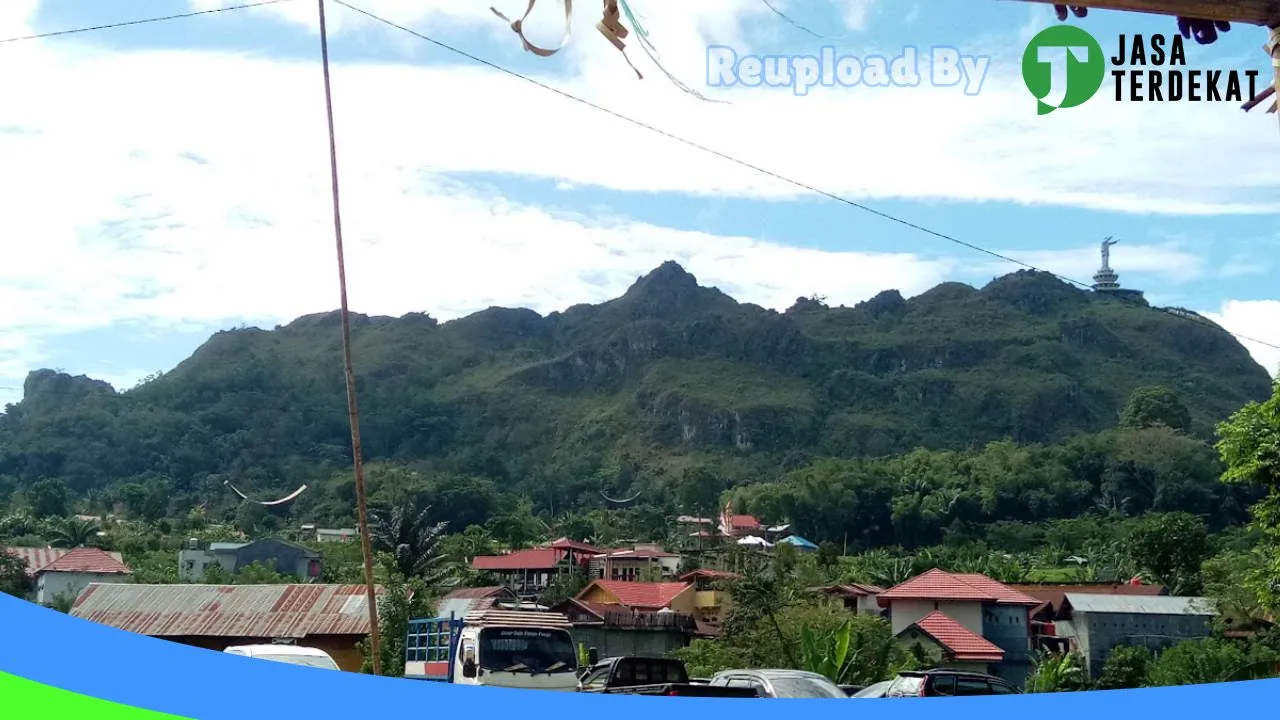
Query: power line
[(791, 181), (142, 21)]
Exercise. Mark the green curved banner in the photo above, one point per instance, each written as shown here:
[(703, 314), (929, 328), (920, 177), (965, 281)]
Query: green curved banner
[(21, 699)]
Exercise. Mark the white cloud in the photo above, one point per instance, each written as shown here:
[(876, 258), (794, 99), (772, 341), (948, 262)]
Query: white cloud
[(856, 13), (882, 142), (1166, 261), (1259, 319)]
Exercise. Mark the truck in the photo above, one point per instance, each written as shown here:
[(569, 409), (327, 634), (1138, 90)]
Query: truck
[(525, 649), (652, 676)]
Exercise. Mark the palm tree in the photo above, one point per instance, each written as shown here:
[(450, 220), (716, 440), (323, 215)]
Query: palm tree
[(407, 532), (74, 533)]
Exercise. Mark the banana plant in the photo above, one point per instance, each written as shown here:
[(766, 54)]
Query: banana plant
[(829, 654)]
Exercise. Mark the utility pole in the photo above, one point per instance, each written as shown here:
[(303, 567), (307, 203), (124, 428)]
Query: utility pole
[(353, 412)]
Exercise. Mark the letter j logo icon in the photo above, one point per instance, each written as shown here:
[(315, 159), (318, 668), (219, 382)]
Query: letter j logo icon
[(1063, 67)]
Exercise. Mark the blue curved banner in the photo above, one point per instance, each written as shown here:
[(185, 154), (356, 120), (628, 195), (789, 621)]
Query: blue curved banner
[(44, 651)]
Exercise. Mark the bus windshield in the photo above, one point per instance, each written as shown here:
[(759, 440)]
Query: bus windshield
[(528, 650)]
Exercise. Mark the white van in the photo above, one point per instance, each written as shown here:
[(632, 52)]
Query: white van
[(292, 654)]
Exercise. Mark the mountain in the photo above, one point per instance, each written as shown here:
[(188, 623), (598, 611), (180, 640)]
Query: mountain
[(667, 374)]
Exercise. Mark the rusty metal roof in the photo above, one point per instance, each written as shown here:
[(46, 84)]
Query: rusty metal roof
[(241, 611)]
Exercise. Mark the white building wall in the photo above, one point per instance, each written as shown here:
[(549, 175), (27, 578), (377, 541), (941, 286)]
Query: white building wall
[(903, 613), (50, 585)]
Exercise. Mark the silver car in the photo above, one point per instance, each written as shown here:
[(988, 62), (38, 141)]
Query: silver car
[(780, 683)]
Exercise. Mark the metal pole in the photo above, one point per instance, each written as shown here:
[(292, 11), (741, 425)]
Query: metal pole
[(353, 412)]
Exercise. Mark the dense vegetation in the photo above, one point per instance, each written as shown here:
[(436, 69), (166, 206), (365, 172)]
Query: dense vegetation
[(958, 414)]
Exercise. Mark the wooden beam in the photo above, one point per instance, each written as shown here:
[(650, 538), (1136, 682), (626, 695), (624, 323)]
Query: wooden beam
[(1251, 12)]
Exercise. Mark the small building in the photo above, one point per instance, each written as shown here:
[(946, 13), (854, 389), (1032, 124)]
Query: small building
[(943, 642), (711, 602), (986, 608), (616, 630), (333, 618), (459, 603), (635, 564), (1044, 633), (60, 575), (799, 543), (1095, 624), (854, 597), (675, 596), (286, 558), (530, 572), (336, 534)]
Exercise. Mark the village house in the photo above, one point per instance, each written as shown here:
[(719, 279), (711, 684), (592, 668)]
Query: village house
[(333, 618), (1095, 624), (634, 564), (634, 618), (530, 572), (964, 620), (856, 598), (1044, 634), (59, 575), (711, 602), (286, 558), (462, 601)]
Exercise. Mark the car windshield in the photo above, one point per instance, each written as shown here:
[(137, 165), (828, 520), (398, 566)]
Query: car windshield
[(531, 650), (314, 661), (804, 687)]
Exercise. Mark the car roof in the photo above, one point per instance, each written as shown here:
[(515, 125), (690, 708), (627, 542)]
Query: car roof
[(279, 650), (773, 673), (945, 671)]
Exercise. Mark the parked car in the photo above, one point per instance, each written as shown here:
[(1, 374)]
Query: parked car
[(875, 690), (292, 654), (651, 676), (780, 683), (947, 683)]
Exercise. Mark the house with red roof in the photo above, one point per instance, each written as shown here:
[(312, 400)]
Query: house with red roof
[(854, 597), (964, 619), (710, 599), (651, 596), (531, 571), (59, 574), (635, 563)]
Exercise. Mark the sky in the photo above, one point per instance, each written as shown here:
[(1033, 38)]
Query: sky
[(164, 181)]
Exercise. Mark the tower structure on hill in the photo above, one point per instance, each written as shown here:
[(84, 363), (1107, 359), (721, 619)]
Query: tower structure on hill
[(1108, 280)]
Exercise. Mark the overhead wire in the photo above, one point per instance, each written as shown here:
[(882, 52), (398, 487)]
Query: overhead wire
[(1196, 317), (141, 21)]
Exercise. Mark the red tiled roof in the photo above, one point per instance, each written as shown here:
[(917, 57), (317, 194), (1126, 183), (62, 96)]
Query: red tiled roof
[(37, 559), (567, 544), (707, 573), (637, 553), (531, 559), (958, 640), (942, 585), (1005, 595), (88, 560), (744, 521), (239, 611), (639, 594)]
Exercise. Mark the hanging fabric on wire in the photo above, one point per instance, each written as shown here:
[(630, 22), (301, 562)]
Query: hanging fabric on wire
[(611, 27)]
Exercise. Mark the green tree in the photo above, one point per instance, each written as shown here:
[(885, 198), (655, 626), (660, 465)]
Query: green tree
[(402, 599), (1126, 667), (407, 534), (1249, 444), (1154, 405), (1171, 547), (47, 498), (74, 533), (1057, 673), (13, 575)]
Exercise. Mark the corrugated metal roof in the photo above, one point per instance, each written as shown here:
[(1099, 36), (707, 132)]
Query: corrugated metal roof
[(1139, 604), (225, 546), (242, 611)]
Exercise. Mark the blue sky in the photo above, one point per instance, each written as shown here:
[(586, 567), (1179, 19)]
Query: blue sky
[(170, 180)]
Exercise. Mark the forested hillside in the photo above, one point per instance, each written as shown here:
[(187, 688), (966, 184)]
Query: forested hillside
[(679, 393)]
